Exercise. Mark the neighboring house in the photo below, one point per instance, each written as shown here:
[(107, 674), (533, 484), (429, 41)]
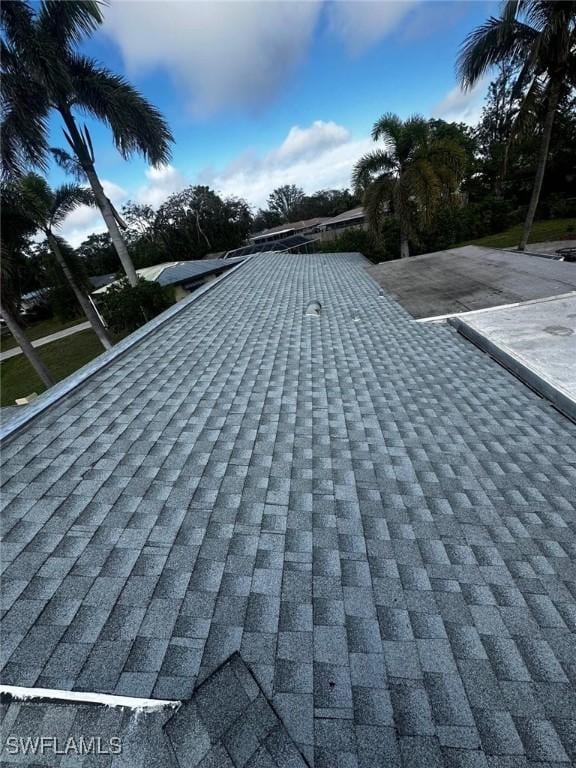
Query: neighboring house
[(99, 281), (304, 227), (289, 244), (30, 302), (321, 228), (184, 276), (352, 219), (325, 527)]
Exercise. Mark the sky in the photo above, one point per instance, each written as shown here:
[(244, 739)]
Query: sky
[(260, 94)]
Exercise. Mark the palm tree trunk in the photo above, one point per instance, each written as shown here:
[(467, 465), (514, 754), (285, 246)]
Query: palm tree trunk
[(26, 347), (404, 246), (83, 300), (106, 209), (111, 224), (400, 213), (553, 98)]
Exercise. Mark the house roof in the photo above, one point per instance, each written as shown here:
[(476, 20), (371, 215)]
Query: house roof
[(228, 722), (471, 278), (373, 513), (177, 272), (98, 281), (353, 213), (292, 226), (184, 271), (282, 244)]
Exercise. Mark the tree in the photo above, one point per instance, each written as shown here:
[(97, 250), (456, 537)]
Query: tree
[(265, 219), (285, 201), (542, 35), (409, 176), (495, 130), (325, 203), (196, 221), (16, 229), (98, 255), (48, 208), (142, 236), (126, 307), (42, 71)]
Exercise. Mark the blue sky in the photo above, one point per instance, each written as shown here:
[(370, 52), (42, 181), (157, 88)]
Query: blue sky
[(263, 93)]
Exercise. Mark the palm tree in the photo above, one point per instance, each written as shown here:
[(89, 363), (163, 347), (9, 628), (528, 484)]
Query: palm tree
[(42, 72), (409, 176), (17, 331), (16, 229), (542, 35), (48, 208)]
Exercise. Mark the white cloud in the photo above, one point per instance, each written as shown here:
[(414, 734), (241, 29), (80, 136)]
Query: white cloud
[(462, 106), (223, 54), (318, 137), (363, 23), (320, 156), (240, 53), (86, 220), (162, 182)]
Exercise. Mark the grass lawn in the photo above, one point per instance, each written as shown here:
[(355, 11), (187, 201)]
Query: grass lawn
[(542, 231), (40, 329), (63, 357)]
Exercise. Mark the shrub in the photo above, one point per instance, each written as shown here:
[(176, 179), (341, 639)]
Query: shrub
[(453, 224), (126, 308), (63, 304), (561, 207)]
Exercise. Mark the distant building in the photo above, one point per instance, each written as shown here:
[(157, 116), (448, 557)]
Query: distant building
[(293, 243), (99, 281), (184, 276), (352, 219), (322, 228), (306, 226)]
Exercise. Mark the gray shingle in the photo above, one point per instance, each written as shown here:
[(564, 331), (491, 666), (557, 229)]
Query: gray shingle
[(373, 513)]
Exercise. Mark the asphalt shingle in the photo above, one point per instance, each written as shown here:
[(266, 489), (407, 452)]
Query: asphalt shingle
[(380, 519)]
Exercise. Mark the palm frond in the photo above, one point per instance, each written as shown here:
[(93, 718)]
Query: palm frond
[(66, 199), (542, 14), (68, 163), (526, 118), (36, 198), (415, 137), (448, 156), (17, 21), (24, 125), (497, 40), (379, 199), (68, 22), (368, 165), (421, 184), (136, 125), (9, 58), (388, 128)]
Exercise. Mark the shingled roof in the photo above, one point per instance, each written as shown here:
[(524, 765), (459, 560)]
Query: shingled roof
[(376, 516)]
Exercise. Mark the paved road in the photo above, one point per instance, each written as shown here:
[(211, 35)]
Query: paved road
[(46, 340)]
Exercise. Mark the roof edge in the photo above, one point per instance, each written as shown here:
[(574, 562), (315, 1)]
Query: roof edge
[(512, 362), (70, 383), (55, 696)]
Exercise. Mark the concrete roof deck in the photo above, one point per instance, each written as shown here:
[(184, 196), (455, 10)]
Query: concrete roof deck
[(536, 340), (471, 278), (379, 518)]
